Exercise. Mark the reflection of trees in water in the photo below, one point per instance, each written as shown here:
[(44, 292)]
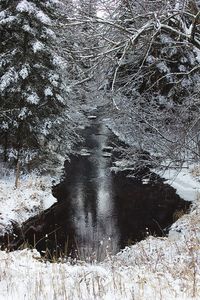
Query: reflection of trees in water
[(81, 184), (144, 208), (95, 204)]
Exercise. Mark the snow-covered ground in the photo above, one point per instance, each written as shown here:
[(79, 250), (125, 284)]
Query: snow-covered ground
[(17, 205), (156, 268), (186, 181)]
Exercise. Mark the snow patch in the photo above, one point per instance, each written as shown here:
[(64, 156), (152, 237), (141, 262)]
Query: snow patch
[(23, 113), (31, 8), (27, 28), (17, 205), (24, 72), (182, 68), (50, 33), (48, 92), (43, 18), (8, 78), (58, 61), (163, 67), (197, 54), (53, 78), (60, 98), (150, 59), (33, 98), (45, 128), (8, 20), (38, 46), (26, 6), (186, 82), (182, 180), (2, 15)]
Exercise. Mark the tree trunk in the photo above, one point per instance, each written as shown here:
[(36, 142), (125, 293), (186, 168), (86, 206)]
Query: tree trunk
[(17, 176), (5, 154)]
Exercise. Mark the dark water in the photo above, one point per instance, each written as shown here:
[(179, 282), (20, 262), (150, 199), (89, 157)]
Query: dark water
[(99, 212)]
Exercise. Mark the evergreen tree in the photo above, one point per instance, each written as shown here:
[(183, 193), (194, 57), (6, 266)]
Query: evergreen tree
[(32, 94)]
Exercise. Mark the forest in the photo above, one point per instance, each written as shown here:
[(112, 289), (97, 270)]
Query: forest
[(138, 59)]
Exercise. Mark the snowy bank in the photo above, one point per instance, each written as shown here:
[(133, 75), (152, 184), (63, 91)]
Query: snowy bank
[(184, 181), (154, 269), (17, 205)]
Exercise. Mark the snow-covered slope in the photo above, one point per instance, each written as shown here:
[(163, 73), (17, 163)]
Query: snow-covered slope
[(154, 269), (185, 181), (17, 205)]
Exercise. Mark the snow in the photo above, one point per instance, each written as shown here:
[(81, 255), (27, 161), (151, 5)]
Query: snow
[(183, 181), (166, 39), (53, 78), (150, 59), (91, 117), (186, 82), (182, 68), (60, 98), (43, 18), (26, 6), (9, 19), (33, 98), (48, 92), (9, 77), (163, 67), (192, 58), (50, 33), (197, 55), (2, 15), (23, 113), (17, 205), (177, 5), (188, 31), (31, 8), (45, 127), (59, 61), (38, 46), (28, 28), (4, 125), (156, 268), (24, 72)]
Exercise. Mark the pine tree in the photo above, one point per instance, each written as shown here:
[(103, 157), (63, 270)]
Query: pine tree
[(32, 94)]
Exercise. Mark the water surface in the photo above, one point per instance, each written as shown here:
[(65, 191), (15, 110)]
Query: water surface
[(100, 212)]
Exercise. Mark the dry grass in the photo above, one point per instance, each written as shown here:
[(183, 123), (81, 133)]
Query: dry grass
[(157, 268), (195, 171)]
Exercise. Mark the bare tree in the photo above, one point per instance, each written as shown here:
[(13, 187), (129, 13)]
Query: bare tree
[(150, 53)]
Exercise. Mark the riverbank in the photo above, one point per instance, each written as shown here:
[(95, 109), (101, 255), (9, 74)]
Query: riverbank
[(185, 180), (32, 196), (156, 268)]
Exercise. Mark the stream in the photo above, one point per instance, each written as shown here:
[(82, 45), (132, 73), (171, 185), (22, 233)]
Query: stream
[(99, 212)]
